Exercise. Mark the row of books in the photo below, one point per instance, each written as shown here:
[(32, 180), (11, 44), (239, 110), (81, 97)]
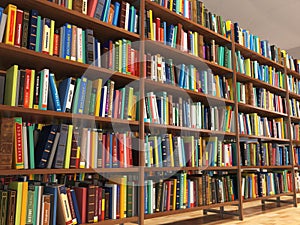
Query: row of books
[(168, 150), (29, 146), (293, 84), (189, 77), (291, 62), (295, 131), (254, 43), (182, 191), (264, 154), (294, 107), (69, 42), (121, 14), (33, 202), (198, 13), (261, 72), (253, 124), (186, 41), (297, 181), (28, 89), (256, 185), (260, 97), (161, 108)]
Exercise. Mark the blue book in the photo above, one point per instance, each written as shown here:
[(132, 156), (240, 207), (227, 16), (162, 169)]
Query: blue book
[(67, 40), (111, 149), (116, 14), (32, 29), (54, 93), (181, 76), (53, 191), (82, 95), (75, 205), (63, 90), (99, 9), (1, 12), (129, 19), (96, 53), (41, 34), (105, 11), (165, 31), (170, 35), (44, 145)]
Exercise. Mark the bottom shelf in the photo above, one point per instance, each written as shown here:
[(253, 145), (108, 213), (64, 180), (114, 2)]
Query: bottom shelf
[(166, 213), (267, 197), (118, 221)]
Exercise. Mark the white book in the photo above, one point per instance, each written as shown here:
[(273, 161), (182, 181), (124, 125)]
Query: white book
[(95, 139), (99, 54), (88, 149), (53, 150), (136, 23), (2, 26), (84, 6), (125, 150), (79, 45), (25, 145), (103, 102), (127, 16), (39, 206)]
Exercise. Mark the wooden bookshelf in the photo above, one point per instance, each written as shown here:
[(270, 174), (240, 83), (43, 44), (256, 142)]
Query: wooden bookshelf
[(63, 68)]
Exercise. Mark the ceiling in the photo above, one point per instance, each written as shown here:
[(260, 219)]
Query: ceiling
[(273, 20)]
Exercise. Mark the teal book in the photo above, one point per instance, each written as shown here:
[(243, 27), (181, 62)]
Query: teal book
[(76, 96), (30, 129), (38, 34), (83, 47)]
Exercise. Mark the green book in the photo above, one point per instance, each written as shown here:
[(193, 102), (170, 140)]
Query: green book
[(83, 47), (92, 102), (38, 34), (30, 204), (174, 37), (31, 146), (129, 202), (17, 186), (11, 86), (76, 96), (88, 97), (123, 91)]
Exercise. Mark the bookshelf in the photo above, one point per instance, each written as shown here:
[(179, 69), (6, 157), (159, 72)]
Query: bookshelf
[(104, 31)]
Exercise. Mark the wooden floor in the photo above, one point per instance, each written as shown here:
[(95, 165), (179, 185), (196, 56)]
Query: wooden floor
[(253, 214)]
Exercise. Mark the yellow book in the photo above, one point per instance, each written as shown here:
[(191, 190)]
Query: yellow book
[(228, 29), (200, 151), (217, 79), (11, 86), (151, 25), (24, 203), (17, 186), (11, 12), (271, 75), (52, 27), (196, 43), (93, 149), (133, 108), (253, 185), (120, 56), (248, 67), (130, 101), (31, 89), (171, 150), (174, 194), (171, 5), (68, 147), (70, 4), (97, 84), (184, 191), (123, 200), (151, 155), (155, 143)]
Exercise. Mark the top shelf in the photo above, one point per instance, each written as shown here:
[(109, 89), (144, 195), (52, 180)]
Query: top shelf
[(103, 31), (256, 56), (174, 18)]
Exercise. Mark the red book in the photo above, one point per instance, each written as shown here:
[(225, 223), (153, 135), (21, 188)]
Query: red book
[(27, 88), (110, 50), (81, 196), (107, 148), (157, 22), (102, 206), (129, 150), (91, 8), (121, 149), (56, 43), (19, 160), (114, 151), (71, 205), (116, 104), (129, 62), (18, 31)]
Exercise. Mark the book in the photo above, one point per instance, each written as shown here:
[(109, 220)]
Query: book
[(11, 11), (6, 143)]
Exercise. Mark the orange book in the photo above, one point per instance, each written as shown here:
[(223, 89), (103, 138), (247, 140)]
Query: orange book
[(11, 11), (111, 14)]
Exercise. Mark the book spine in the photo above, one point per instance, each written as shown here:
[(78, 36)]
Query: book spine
[(18, 28), (11, 11), (19, 156)]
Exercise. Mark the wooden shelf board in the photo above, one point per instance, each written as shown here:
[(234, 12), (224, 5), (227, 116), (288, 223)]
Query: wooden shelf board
[(245, 108), (266, 167), (294, 95), (295, 119), (68, 171), (293, 73), (48, 116), (258, 83), (28, 59), (180, 57), (178, 128), (209, 168), (264, 138), (267, 197), (173, 18), (159, 214), (118, 221), (296, 142), (102, 31), (210, 100), (247, 53)]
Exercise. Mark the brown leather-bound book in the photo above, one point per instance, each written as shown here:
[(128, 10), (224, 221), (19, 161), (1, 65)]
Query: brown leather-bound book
[(25, 25), (91, 203), (12, 197), (77, 5), (179, 36), (74, 161), (111, 14), (200, 46), (46, 206), (122, 15), (6, 143)]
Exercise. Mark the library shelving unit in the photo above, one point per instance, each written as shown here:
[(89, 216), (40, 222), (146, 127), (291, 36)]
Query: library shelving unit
[(11, 55)]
